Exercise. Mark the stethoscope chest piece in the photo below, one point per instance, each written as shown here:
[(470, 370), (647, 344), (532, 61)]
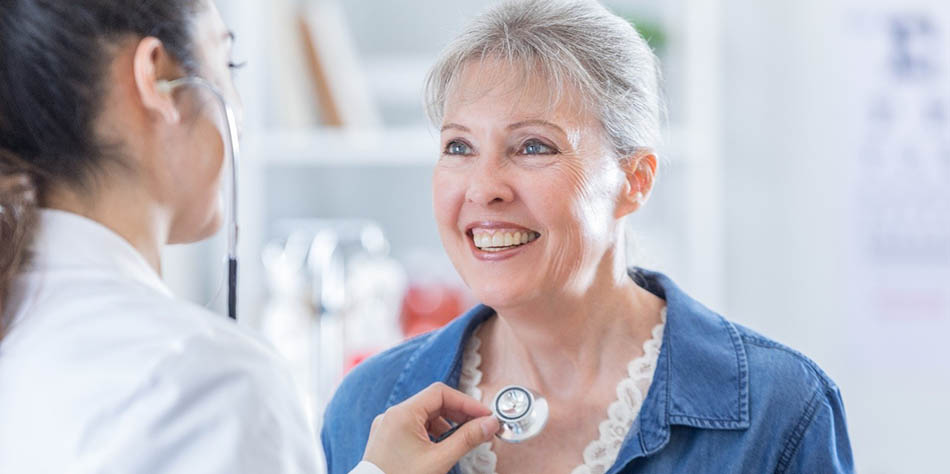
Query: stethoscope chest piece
[(522, 413)]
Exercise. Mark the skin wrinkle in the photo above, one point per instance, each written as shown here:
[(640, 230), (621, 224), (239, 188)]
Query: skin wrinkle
[(585, 215), (597, 189)]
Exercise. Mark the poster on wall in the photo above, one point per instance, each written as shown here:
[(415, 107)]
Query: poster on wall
[(899, 146)]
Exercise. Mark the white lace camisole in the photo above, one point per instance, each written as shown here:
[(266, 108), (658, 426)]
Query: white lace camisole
[(601, 453)]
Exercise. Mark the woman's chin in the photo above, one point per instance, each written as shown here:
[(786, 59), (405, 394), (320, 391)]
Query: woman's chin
[(499, 295)]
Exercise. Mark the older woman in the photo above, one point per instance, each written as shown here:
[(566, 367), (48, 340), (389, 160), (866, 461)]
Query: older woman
[(549, 115)]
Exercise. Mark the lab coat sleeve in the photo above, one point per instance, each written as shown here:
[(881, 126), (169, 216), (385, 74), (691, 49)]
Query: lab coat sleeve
[(820, 442), (218, 406)]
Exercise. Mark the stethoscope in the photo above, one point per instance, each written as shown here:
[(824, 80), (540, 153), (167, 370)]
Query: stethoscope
[(521, 412), (233, 149)]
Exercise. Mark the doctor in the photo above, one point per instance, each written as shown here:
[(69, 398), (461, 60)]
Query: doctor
[(101, 368)]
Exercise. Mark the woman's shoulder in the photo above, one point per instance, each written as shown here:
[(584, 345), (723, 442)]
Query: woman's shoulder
[(785, 369), (790, 392), (772, 372), (791, 398)]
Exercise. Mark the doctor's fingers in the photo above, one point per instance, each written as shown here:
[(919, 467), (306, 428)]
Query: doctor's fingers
[(439, 400), (440, 427), (468, 437)]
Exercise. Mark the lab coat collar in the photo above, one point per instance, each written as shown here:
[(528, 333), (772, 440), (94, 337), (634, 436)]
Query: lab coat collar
[(67, 241), (701, 378)]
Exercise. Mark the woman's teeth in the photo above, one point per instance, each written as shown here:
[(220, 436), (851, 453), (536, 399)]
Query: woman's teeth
[(498, 241)]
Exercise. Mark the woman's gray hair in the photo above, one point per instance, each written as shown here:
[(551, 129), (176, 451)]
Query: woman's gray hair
[(565, 40)]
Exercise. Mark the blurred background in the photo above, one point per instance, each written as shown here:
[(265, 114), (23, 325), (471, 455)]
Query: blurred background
[(804, 189)]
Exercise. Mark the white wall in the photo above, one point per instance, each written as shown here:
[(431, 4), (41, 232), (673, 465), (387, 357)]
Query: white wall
[(790, 113)]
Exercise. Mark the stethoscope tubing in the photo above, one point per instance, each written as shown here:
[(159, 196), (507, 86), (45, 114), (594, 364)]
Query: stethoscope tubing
[(233, 149)]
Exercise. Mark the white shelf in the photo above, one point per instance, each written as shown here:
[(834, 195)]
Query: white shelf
[(397, 79), (330, 147)]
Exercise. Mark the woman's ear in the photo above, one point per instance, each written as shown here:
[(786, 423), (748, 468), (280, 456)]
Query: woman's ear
[(151, 64), (640, 172)]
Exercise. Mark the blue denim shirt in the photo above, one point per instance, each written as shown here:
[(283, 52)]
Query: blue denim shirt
[(723, 399)]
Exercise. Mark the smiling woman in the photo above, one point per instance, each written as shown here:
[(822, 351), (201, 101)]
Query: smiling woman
[(549, 117), (516, 163)]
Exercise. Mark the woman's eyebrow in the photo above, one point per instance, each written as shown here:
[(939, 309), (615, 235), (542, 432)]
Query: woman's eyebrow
[(524, 123), (544, 123), (456, 126)]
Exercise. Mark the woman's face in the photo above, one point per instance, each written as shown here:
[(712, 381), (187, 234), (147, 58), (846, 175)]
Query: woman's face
[(197, 154), (525, 193)]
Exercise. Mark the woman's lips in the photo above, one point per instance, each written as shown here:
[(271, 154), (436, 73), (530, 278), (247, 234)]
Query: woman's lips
[(498, 240)]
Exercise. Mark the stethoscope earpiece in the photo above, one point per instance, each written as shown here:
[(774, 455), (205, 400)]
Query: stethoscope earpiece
[(522, 413), (163, 86)]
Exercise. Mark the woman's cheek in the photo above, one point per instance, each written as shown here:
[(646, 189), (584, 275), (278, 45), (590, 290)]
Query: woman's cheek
[(445, 200), (594, 193)]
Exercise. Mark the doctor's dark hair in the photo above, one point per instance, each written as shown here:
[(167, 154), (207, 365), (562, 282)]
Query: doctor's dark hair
[(55, 57)]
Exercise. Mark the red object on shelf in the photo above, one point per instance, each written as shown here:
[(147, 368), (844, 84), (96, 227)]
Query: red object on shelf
[(424, 308), (429, 307), (354, 359)]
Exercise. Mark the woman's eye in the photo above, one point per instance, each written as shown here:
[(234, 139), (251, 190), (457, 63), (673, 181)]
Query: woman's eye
[(535, 147), (458, 148), (235, 65)]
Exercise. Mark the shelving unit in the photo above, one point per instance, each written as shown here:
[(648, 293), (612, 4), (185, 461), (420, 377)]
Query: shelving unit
[(681, 226), (334, 147)]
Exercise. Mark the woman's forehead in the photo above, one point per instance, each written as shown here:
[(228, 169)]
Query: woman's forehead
[(524, 91)]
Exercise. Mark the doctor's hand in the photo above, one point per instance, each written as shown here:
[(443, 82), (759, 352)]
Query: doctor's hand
[(399, 440)]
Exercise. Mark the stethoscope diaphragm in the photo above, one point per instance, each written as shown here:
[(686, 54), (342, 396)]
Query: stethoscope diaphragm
[(522, 413)]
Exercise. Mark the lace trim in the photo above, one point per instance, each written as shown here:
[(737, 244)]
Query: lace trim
[(481, 460), (601, 453)]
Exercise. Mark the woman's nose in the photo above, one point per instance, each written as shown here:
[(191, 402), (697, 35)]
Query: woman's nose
[(488, 183)]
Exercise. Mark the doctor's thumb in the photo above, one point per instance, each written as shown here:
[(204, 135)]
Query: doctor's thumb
[(468, 437)]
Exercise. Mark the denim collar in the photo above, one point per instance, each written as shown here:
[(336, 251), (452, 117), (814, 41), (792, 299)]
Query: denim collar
[(701, 377)]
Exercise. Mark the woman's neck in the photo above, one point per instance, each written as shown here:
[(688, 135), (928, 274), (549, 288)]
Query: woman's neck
[(128, 214), (565, 345)]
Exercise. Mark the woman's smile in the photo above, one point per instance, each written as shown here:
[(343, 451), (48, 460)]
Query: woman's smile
[(494, 241)]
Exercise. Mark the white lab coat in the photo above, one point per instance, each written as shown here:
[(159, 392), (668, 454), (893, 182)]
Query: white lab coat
[(104, 371)]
